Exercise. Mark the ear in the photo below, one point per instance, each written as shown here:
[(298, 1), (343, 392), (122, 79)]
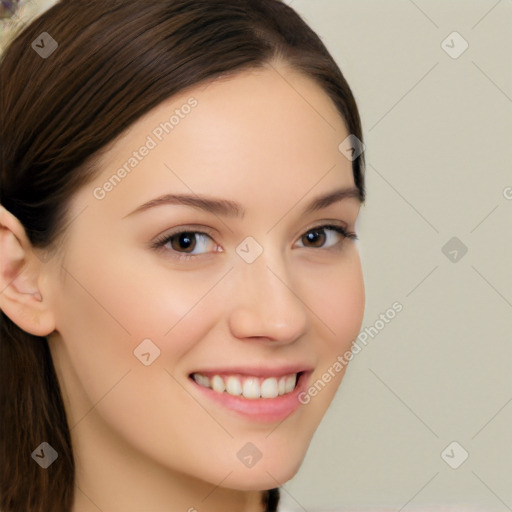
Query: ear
[(21, 298)]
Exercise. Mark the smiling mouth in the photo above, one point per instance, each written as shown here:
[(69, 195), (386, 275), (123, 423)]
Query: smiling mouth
[(250, 387)]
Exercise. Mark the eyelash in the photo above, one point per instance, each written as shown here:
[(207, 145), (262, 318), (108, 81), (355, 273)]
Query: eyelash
[(160, 242)]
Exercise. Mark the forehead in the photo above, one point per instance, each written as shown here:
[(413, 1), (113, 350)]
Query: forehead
[(268, 134)]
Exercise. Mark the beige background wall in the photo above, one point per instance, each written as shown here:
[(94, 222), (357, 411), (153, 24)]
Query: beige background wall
[(438, 133)]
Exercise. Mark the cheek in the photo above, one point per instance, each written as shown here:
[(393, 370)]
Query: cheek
[(132, 299), (106, 307), (103, 317), (337, 297), (338, 300)]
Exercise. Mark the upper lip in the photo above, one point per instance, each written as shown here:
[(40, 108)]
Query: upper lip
[(256, 371)]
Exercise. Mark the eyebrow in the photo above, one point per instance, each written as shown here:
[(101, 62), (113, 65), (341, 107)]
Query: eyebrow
[(227, 208)]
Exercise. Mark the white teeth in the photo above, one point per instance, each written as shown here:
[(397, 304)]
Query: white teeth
[(269, 388), (202, 380), (218, 384), (281, 386), (249, 387), (289, 385), (233, 386)]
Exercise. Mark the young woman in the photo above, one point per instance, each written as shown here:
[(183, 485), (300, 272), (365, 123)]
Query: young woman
[(180, 182)]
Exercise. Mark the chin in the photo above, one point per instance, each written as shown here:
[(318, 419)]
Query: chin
[(260, 480), (266, 474)]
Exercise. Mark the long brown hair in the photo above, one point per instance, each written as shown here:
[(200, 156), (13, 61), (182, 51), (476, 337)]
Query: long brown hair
[(115, 61)]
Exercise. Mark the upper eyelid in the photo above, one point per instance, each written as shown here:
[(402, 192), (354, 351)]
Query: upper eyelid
[(206, 231)]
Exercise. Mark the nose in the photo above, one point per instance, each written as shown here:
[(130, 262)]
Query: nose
[(265, 301)]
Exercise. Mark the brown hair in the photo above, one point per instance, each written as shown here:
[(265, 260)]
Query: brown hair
[(115, 61)]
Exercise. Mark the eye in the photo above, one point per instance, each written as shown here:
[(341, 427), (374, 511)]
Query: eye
[(329, 233), (187, 244)]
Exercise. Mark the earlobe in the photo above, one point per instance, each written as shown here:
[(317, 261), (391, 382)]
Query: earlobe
[(20, 296)]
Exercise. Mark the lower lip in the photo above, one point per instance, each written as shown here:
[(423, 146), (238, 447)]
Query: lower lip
[(264, 410)]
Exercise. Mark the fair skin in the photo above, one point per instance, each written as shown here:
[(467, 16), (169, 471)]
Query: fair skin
[(148, 437)]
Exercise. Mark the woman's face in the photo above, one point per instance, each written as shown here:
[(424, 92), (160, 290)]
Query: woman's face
[(247, 298)]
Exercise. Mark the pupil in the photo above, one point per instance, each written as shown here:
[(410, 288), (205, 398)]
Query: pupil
[(314, 236), (186, 240)]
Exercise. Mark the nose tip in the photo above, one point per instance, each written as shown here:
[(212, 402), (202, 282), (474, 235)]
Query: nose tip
[(265, 306)]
